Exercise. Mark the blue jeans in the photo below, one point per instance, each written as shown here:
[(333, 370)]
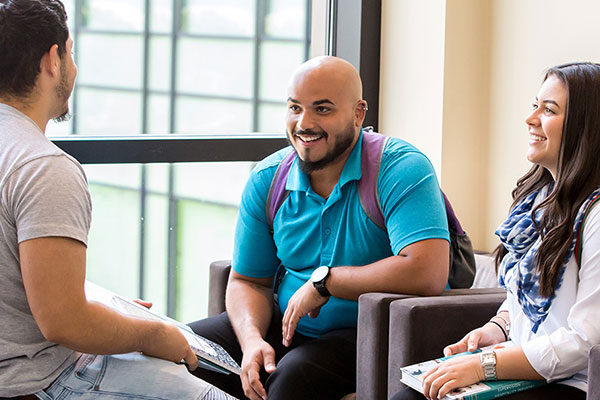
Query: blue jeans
[(128, 376)]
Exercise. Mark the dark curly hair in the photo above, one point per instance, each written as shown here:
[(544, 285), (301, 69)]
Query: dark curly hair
[(28, 29), (578, 171)]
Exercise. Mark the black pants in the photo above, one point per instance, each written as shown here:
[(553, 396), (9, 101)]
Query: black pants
[(311, 368), (552, 391)]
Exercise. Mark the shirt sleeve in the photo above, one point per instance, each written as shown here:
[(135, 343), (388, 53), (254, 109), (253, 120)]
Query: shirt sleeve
[(411, 199), (49, 197), (565, 351), (255, 253)]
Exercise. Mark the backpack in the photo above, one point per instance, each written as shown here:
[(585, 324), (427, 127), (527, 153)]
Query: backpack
[(462, 259)]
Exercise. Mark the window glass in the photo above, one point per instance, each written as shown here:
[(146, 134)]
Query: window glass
[(197, 181), (113, 245), (274, 76), (209, 116), (272, 118), (156, 246), (106, 112), (126, 176), (215, 67), (219, 18), (286, 18), (205, 232), (158, 114), (113, 15), (161, 16), (160, 63), (157, 178), (94, 55)]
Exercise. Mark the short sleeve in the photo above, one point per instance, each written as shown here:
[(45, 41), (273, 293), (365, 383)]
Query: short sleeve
[(255, 253), (49, 196), (411, 199)]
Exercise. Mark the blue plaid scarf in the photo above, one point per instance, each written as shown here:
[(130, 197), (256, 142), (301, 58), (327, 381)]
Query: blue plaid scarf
[(517, 272)]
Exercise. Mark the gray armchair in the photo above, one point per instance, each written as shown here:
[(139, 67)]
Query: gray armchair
[(373, 329)]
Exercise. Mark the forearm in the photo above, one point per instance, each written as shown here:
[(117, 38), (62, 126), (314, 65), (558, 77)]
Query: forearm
[(93, 328), (511, 363), (421, 272), (249, 307)]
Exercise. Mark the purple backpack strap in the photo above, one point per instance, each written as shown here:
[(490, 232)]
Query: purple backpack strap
[(277, 192), (373, 145), (452, 220)]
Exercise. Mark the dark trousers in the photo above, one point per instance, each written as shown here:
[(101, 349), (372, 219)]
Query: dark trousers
[(552, 391), (311, 368)]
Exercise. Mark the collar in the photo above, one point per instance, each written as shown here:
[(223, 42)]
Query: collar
[(298, 180)]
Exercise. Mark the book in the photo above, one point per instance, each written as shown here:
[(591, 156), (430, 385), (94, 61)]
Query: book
[(412, 376), (210, 355)]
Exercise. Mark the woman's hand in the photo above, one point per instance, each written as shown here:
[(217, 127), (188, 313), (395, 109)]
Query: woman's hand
[(487, 335), (451, 374)]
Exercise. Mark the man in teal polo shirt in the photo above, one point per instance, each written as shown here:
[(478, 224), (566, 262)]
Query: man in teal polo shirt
[(302, 345)]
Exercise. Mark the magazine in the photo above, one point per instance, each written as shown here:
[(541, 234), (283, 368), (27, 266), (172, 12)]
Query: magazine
[(412, 376), (210, 355)]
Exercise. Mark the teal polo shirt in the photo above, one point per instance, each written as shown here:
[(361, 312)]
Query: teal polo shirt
[(310, 231)]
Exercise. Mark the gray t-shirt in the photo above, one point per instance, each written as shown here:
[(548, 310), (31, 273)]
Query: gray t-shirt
[(43, 192)]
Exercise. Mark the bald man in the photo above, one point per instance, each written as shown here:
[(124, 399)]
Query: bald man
[(301, 343)]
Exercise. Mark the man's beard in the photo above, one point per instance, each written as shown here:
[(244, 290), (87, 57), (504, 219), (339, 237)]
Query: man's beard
[(63, 93), (343, 143)]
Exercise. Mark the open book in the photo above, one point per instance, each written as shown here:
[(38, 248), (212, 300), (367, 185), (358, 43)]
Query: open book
[(210, 355), (412, 376)]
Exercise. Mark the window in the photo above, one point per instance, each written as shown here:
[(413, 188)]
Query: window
[(217, 70)]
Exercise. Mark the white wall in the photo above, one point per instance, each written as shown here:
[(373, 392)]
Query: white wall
[(458, 78)]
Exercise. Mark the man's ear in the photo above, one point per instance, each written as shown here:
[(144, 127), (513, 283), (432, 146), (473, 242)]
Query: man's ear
[(360, 111), (50, 62)]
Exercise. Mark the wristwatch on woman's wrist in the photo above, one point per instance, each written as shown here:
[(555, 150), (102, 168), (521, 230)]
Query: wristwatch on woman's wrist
[(488, 362)]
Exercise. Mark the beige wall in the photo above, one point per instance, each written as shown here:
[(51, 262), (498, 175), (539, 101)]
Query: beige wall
[(471, 123)]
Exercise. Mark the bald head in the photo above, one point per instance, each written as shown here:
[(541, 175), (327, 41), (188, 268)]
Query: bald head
[(331, 74)]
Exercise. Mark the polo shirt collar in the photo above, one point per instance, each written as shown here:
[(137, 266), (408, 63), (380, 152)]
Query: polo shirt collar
[(298, 180)]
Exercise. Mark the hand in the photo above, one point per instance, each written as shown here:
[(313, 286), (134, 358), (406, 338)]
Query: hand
[(168, 343), (451, 374), (257, 354), (487, 335), (306, 300)]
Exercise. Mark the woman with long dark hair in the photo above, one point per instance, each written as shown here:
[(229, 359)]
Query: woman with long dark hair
[(548, 261)]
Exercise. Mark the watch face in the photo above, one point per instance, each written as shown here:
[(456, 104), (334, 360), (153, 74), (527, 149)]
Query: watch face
[(319, 274)]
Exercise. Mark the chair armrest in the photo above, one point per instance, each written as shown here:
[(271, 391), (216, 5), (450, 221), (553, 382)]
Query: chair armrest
[(420, 328), (373, 338), (372, 344), (594, 373), (217, 285)]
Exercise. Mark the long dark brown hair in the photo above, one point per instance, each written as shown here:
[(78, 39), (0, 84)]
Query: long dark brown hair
[(578, 171)]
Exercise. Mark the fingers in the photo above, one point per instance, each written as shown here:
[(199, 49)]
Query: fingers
[(191, 360), (269, 360), (315, 313), (289, 325), (473, 340), (143, 303), (253, 388)]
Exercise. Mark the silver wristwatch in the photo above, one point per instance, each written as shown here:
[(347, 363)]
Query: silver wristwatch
[(488, 362)]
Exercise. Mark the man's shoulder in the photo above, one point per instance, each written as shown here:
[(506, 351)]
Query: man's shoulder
[(399, 150), (269, 164)]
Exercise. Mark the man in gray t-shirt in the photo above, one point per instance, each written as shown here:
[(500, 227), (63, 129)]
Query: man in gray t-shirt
[(53, 341)]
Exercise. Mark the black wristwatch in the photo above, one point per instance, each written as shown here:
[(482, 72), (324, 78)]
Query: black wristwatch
[(318, 278)]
